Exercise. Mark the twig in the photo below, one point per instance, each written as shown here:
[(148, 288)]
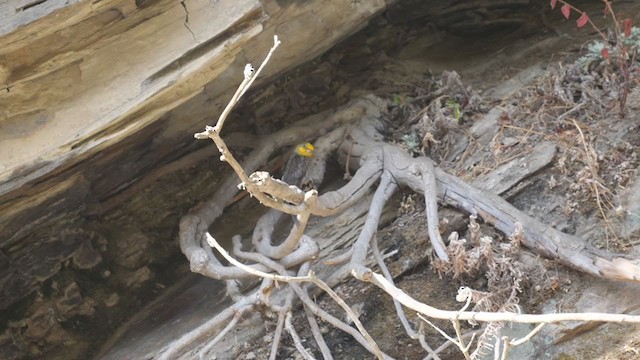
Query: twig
[(277, 334), (530, 335), (296, 339), (249, 78), (213, 133), (276, 43), (442, 332), (297, 279), (313, 324), (367, 275), (316, 310), (179, 346), (352, 315), (448, 343), (399, 311), (423, 342), (221, 334), (456, 325), (460, 342), (317, 334), (275, 277)]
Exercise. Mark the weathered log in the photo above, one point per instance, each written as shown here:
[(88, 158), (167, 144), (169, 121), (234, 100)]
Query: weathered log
[(88, 86)]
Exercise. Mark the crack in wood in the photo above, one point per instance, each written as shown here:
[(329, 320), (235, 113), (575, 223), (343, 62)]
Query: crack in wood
[(186, 19), (241, 25)]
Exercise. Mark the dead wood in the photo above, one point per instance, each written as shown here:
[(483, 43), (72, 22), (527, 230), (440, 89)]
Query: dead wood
[(374, 160), (355, 131), (451, 190)]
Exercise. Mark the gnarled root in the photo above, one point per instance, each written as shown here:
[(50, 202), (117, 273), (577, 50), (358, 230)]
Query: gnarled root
[(354, 131)]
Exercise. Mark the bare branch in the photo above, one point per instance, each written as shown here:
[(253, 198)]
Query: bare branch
[(367, 275), (249, 78), (296, 339), (399, 311), (222, 333)]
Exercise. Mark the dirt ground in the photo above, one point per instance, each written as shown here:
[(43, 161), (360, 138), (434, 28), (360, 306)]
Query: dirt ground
[(589, 189)]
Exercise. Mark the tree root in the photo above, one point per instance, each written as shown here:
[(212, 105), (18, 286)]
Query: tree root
[(354, 131)]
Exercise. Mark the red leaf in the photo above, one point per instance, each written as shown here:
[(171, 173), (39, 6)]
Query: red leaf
[(627, 27), (583, 20), (553, 4), (605, 53), (566, 10), (606, 11)]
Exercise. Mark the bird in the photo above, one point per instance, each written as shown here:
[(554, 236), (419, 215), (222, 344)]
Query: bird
[(294, 170), (296, 167)]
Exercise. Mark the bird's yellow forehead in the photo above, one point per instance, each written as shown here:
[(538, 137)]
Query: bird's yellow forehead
[(305, 149)]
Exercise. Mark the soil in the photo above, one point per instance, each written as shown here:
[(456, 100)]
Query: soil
[(512, 73)]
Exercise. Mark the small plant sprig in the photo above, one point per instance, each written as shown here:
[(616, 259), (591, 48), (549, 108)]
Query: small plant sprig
[(621, 50)]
